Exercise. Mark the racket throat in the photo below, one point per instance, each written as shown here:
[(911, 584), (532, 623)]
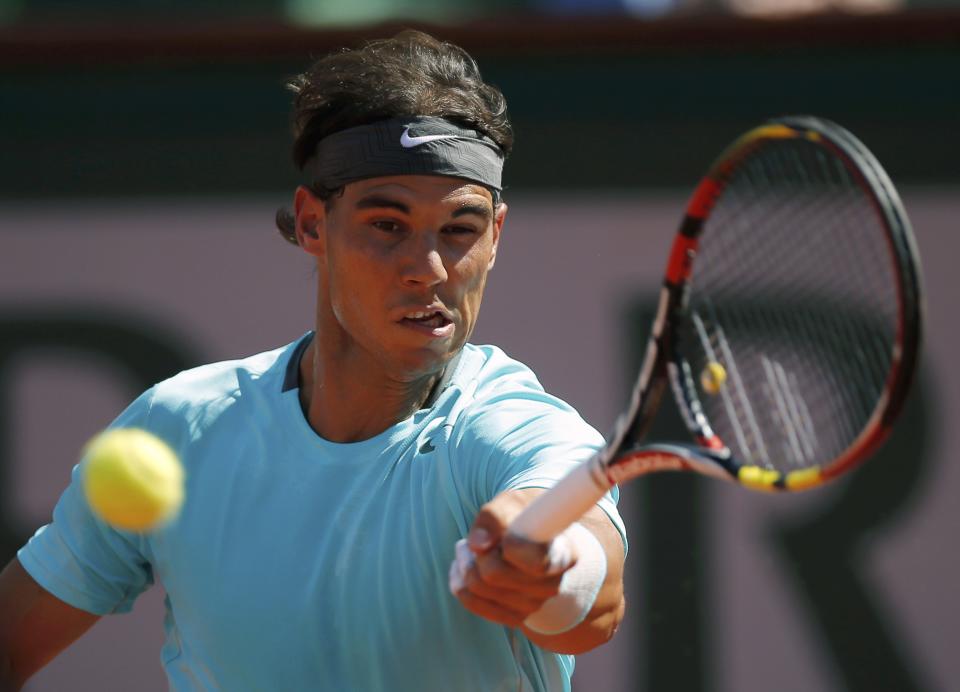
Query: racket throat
[(671, 457)]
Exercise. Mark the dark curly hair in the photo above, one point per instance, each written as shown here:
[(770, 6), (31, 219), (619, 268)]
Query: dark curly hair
[(412, 73)]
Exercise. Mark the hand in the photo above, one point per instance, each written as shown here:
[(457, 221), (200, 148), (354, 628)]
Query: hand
[(500, 576)]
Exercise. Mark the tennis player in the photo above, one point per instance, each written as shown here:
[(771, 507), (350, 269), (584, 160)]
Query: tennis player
[(349, 494)]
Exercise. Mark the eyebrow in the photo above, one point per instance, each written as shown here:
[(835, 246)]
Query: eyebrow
[(482, 210), (381, 202)]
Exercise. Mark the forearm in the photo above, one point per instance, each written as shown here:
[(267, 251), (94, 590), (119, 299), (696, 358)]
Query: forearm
[(34, 626), (6, 674), (8, 682), (598, 628)]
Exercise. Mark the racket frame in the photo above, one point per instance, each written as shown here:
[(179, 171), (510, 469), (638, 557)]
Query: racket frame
[(624, 457), (864, 168)]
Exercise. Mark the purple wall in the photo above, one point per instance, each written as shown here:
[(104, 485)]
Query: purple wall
[(214, 277)]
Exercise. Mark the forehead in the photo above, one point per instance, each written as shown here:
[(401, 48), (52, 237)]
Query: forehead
[(426, 189)]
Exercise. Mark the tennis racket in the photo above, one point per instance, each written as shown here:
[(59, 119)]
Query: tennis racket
[(796, 214)]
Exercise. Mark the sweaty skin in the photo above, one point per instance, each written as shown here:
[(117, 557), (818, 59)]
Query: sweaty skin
[(385, 250)]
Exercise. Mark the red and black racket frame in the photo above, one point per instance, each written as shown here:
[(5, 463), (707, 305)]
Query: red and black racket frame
[(626, 458)]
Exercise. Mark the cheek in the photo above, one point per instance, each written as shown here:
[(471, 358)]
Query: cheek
[(473, 280), (354, 282)]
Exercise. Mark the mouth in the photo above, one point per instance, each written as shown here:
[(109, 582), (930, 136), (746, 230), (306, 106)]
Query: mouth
[(435, 322)]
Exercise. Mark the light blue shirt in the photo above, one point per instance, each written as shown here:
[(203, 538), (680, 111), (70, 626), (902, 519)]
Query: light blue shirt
[(301, 564)]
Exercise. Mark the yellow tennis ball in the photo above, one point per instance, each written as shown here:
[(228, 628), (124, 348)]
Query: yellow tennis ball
[(132, 479), (713, 377)]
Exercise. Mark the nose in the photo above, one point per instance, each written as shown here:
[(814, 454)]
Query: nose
[(423, 266)]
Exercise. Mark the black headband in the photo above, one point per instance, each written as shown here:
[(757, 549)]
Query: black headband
[(414, 145)]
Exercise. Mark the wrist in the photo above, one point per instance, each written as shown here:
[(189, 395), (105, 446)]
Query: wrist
[(578, 587)]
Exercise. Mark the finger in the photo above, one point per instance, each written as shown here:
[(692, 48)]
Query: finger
[(517, 601), (492, 521), (490, 610), (494, 571), (480, 540), (540, 559), (486, 532)]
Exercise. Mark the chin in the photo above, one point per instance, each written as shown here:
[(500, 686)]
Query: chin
[(414, 364)]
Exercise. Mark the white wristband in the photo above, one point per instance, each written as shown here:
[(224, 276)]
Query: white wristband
[(578, 587)]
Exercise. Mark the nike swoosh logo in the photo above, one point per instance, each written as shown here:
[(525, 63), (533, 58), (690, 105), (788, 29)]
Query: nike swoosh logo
[(427, 447), (408, 142)]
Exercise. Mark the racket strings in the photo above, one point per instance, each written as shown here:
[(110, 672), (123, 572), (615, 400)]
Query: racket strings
[(794, 294)]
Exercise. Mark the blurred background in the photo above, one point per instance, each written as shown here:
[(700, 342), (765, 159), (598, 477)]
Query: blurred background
[(144, 148)]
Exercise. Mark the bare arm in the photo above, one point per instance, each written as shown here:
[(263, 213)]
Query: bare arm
[(505, 586), (35, 626)]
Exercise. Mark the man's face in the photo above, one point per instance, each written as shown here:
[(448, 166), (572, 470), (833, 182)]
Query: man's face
[(402, 264)]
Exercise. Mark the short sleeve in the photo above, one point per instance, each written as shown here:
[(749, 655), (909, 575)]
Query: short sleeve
[(525, 439), (80, 559)]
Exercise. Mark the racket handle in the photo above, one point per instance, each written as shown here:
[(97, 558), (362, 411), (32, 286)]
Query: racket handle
[(556, 509)]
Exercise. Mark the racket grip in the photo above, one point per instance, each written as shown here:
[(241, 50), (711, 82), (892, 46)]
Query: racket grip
[(556, 509)]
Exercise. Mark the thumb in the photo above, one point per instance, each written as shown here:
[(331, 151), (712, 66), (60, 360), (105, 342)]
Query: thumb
[(487, 531), (481, 540)]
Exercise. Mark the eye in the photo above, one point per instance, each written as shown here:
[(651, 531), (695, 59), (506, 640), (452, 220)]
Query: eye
[(460, 230), (387, 226)]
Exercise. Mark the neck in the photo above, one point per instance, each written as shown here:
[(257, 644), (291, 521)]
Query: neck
[(350, 398)]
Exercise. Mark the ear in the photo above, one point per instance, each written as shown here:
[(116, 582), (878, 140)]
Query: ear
[(311, 217), (499, 216)]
